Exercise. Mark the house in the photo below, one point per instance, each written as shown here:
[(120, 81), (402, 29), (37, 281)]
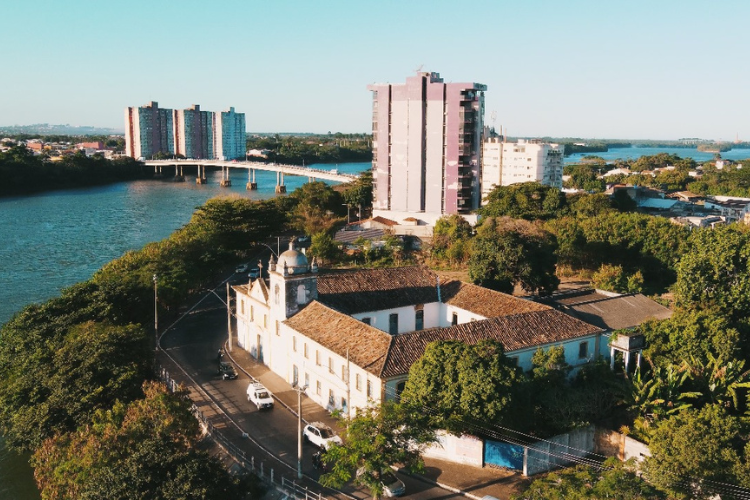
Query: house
[(732, 209), (610, 312), (351, 336)]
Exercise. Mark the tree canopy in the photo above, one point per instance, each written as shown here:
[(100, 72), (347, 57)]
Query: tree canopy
[(528, 200), (459, 384), (508, 251), (146, 449)]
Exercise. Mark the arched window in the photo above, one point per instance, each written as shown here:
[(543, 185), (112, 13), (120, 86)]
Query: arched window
[(276, 294), (301, 294)]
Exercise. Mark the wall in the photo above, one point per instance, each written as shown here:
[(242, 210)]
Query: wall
[(558, 451), (459, 449), (614, 444)]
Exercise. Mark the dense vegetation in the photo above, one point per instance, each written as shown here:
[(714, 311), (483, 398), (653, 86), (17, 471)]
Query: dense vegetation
[(330, 148), (71, 369), (23, 172)]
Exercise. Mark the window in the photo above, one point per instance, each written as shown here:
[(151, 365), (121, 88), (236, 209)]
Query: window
[(343, 404), (307, 380), (331, 398), (242, 307), (265, 321), (305, 350), (343, 372), (583, 350), (330, 364), (454, 319), (277, 328), (357, 383), (301, 294), (514, 360), (366, 321), (419, 320), (369, 389), (393, 324), (318, 388), (294, 344), (252, 316), (317, 357), (295, 375)]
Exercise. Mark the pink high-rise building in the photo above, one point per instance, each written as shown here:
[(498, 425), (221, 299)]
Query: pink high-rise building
[(427, 147)]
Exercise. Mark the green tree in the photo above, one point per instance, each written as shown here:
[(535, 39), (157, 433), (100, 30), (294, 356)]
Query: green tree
[(374, 439), (613, 279), (146, 449), (694, 449), (714, 274), (317, 208), (451, 239), (324, 248), (358, 194), (614, 480), (528, 200), (507, 251), (589, 205), (460, 384)]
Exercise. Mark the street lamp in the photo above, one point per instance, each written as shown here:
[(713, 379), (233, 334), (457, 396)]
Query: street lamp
[(299, 389)]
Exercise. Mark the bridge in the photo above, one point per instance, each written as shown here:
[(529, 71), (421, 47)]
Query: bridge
[(313, 174)]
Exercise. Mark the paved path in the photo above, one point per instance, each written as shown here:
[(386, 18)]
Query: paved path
[(270, 437)]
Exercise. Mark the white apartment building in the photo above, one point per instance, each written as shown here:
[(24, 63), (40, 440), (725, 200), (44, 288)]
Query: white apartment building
[(229, 135), (506, 163)]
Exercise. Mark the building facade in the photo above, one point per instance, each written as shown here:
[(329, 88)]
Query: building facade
[(506, 163), (352, 336), (191, 132), (426, 147), (230, 142), (148, 131)]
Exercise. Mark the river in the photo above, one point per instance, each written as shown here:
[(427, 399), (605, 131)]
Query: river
[(55, 239), (633, 153)]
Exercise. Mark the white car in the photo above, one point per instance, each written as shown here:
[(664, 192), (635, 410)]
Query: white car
[(254, 273), (320, 435), (242, 268), (259, 395)]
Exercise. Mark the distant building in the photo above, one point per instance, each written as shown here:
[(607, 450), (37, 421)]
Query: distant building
[(148, 131), (506, 163), (191, 132), (732, 209), (230, 140), (426, 148)]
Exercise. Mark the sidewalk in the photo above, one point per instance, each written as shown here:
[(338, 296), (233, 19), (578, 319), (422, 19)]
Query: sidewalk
[(467, 480)]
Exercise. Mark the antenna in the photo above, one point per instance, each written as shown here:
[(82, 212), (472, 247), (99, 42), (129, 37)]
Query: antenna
[(419, 68)]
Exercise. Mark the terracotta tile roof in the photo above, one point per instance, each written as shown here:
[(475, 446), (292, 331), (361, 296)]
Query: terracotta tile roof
[(383, 220), (363, 290), (518, 331), (338, 332), (483, 301), (610, 313)]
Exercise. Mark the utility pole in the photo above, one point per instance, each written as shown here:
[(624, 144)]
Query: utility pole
[(300, 390), (156, 318), (229, 319)]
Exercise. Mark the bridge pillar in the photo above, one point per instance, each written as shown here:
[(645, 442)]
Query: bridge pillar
[(201, 179), (157, 172), (225, 180), (178, 177), (280, 187), (251, 184)]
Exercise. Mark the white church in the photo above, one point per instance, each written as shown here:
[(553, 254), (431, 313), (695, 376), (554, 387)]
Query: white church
[(351, 336)]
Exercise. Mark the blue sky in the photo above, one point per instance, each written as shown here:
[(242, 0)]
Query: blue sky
[(656, 69)]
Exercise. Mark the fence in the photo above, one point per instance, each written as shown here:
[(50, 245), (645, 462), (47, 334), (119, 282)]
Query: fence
[(291, 487)]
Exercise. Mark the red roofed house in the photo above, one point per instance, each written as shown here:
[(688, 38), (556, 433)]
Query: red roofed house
[(351, 336)]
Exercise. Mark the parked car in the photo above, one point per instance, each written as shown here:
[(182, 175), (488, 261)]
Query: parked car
[(392, 485), (254, 273), (259, 395), (320, 435), (227, 371), (242, 268)]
